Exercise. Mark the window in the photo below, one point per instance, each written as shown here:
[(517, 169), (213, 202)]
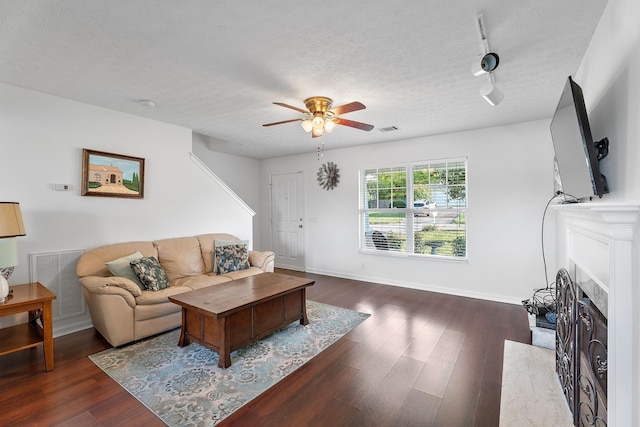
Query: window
[(418, 209)]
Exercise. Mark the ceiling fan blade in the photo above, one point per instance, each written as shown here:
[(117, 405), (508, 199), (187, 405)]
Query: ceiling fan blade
[(351, 123), (292, 107), (347, 108), (284, 121)]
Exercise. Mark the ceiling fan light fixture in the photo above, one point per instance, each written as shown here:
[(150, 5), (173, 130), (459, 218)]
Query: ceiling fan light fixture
[(318, 121), (317, 131), (321, 117), (318, 125), (307, 125), (329, 125)]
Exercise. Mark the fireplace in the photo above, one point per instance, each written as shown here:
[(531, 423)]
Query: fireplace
[(596, 245), (581, 349)]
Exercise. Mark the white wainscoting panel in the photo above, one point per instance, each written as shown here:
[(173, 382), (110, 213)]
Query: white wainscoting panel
[(57, 271)]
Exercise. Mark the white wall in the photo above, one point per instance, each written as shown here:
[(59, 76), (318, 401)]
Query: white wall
[(610, 78), (41, 141), (510, 180), (240, 174)]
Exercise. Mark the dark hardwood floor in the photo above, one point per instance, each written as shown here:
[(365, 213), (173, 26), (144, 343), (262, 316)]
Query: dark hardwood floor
[(421, 359)]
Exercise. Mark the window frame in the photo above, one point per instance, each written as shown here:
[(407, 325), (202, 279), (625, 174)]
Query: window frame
[(409, 213)]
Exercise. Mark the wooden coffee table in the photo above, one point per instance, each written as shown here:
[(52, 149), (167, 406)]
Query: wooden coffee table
[(231, 315)]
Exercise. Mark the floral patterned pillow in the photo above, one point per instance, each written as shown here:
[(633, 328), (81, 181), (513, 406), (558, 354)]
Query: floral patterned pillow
[(232, 256), (150, 272)]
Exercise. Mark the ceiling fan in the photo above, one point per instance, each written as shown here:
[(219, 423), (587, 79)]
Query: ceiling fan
[(321, 117)]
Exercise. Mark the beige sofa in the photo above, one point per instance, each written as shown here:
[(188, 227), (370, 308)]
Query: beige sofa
[(123, 313)]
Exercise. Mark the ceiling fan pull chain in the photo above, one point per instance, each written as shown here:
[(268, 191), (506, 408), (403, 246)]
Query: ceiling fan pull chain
[(320, 151)]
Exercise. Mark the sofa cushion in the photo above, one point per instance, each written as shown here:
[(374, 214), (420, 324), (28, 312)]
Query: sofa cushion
[(239, 274), (121, 267), (231, 256), (262, 259), (92, 262), (124, 283), (199, 281), (180, 257), (161, 296), (149, 312), (150, 273), (207, 247)]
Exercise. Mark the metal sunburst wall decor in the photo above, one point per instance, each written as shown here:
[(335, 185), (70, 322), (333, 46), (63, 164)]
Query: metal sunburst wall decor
[(328, 176)]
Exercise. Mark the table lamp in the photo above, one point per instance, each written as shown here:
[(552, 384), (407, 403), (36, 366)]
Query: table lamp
[(11, 226)]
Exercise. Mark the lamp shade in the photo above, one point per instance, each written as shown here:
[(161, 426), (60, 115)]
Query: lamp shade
[(8, 253), (318, 121), (329, 125), (307, 125), (11, 224), (317, 131)]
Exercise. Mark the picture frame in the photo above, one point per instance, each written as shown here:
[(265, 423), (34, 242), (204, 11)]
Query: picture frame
[(112, 175)]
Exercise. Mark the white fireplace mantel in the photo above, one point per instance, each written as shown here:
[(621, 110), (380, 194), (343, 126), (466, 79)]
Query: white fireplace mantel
[(601, 240)]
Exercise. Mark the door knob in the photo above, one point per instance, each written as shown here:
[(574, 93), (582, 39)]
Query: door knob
[(300, 226)]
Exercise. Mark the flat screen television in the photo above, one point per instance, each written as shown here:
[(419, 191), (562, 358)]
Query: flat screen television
[(577, 155)]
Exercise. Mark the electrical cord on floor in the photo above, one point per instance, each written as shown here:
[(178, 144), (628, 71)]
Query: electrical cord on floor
[(544, 214), (544, 299)]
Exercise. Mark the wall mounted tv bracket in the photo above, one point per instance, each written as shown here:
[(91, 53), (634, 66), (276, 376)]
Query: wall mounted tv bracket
[(603, 148)]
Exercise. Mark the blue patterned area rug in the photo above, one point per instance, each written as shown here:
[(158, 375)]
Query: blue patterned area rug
[(183, 386)]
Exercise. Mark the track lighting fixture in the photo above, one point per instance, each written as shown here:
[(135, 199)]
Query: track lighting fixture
[(491, 94), (487, 63)]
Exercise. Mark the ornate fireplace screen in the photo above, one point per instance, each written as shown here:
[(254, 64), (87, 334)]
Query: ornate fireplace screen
[(581, 353), (565, 336)]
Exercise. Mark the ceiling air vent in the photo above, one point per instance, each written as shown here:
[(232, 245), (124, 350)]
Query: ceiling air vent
[(388, 129)]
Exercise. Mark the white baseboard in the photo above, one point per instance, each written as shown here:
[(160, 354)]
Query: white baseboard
[(69, 328), (420, 286)]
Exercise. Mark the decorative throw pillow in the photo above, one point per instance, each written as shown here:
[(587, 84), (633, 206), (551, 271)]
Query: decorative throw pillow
[(121, 267), (218, 243), (230, 256), (150, 273)]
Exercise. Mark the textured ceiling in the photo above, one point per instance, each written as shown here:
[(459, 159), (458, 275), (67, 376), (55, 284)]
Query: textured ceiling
[(216, 66)]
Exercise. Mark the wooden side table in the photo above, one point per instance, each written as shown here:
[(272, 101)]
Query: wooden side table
[(35, 299)]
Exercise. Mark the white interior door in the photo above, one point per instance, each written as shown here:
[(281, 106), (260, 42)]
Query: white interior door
[(287, 220)]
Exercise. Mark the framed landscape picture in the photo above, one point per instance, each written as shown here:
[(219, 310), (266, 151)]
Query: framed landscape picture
[(112, 175)]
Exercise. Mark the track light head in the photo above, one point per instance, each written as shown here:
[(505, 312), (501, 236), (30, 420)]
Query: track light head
[(491, 94), (490, 62), (487, 64)]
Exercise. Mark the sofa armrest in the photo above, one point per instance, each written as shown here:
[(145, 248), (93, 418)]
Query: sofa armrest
[(262, 259), (112, 286)]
